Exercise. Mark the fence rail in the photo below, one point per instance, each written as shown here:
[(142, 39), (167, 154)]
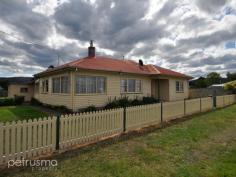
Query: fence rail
[(33, 138)]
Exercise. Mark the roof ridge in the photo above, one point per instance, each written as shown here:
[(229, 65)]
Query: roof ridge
[(153, 66)]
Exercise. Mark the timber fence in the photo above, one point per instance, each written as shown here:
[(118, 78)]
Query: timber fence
[(37, 137)]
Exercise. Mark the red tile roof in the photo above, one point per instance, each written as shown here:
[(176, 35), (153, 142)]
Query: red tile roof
[(117, 65)]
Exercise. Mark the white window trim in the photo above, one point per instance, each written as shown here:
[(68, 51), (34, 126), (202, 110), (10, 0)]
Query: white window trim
[(60, 76), (127, 92), (180, 90), (84, 94), (43, 86)]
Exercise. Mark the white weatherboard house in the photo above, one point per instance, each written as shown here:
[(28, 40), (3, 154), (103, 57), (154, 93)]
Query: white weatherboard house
[(94, 80)]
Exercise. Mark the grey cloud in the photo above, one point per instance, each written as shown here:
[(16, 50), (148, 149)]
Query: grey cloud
[(211, 61), (18, 15), (119, 29), (210, 6)]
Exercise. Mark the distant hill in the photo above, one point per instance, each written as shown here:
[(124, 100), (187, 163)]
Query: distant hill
[(5, 81)]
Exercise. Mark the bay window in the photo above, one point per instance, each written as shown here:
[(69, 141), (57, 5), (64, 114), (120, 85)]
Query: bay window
[(90, 84), (131, 86), (61, 84), (45, 86), (65, 84)]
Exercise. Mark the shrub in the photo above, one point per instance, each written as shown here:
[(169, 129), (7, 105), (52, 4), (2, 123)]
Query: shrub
[(59, 108), (88, 109), (63, 109), (150, 100), (19, 100), (112, 104), (136, 102), (124, 102), (35, 102), (7, 102)]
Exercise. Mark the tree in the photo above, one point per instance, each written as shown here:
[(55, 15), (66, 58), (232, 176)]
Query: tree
[(230, 86), (231, 76), (201, 83), (213, 78), (4, 84)]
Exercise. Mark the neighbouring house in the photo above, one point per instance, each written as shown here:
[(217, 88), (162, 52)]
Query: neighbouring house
[(1, 92), (21, 87), (94, 80)]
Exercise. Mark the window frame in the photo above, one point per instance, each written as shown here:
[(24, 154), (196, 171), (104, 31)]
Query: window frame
[(27, 90), (45, 82), (96, 85), (127, 86), (180, 86), (60, 85)]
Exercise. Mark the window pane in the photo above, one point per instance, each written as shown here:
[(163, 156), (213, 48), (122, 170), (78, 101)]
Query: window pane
[(56, 85), (46, 85), (65, 84), (80, 84), (177, 86), (123, 85), (23, 90), (131, 85), (101, 84), (43, 83), (138, 86), (91, 84), (181, 86)]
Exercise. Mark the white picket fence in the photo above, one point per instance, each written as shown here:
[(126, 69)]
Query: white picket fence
[(139, 116), (27, 139), (33, 138), (83, 128)]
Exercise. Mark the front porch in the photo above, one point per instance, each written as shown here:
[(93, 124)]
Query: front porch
[(160, 89)]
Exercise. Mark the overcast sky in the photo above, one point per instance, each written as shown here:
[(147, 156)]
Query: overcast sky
[(191, 36)]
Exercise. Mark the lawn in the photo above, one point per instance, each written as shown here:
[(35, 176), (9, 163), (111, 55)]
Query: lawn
[(204, 145), (14, 113)]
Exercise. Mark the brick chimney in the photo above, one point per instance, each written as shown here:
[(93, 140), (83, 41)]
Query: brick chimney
[(91, 50)]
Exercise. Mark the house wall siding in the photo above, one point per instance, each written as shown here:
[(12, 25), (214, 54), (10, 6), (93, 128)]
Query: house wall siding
[(15, 90), (54, 98), (112, 89), (75, 101), (173, 95)]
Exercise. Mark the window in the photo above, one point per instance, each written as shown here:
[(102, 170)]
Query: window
[(179, 86), (45, 86), (123, 85), (23, 90), (90, 84), (56, 85), (65, 84), (131, 86), (61, 84), (138, 86)]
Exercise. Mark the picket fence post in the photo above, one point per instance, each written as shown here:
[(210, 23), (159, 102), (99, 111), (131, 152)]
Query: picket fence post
[(200, 104), (124, 119), (161, 111), (58, 132), (214, 99), (184, 106)]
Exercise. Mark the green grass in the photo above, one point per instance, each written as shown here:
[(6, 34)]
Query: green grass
[(202, 146), (14, 113)]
